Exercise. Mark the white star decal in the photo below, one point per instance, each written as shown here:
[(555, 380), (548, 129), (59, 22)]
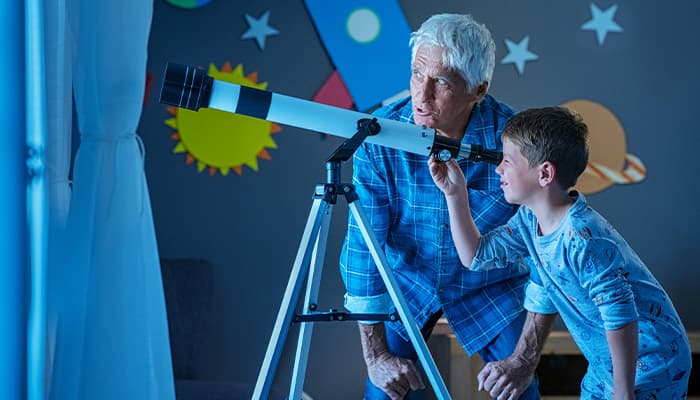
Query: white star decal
[(259, 29), (518, 54), (602, 22)]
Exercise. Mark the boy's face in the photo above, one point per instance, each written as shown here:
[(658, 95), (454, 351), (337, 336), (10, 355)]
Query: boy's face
[(518, 181)]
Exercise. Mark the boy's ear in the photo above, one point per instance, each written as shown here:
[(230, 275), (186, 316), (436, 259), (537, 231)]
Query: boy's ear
[(547, 173)]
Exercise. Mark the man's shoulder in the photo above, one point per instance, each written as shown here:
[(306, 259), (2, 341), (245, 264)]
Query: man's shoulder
[(488, 118), (500, 109)]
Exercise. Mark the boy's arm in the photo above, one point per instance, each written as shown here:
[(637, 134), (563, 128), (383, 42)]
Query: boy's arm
[(450, 179), (623, 344), (608, 287), (464, 231), (509, 378)]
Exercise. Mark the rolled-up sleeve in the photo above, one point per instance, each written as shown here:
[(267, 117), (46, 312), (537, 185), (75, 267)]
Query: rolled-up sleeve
[(537, 300), (379, 304), (603, 275)]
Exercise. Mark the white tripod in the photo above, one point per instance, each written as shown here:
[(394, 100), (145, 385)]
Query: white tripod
[(309, 260)]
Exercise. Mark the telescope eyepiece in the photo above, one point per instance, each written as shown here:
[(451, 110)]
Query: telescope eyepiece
[(443, 155)]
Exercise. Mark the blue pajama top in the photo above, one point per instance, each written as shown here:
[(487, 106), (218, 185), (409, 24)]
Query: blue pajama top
[(588, 273)]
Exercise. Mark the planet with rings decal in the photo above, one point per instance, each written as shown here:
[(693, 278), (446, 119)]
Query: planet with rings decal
[(609, 163)]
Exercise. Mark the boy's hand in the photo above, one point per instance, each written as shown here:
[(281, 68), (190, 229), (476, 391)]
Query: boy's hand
[(448, 177)]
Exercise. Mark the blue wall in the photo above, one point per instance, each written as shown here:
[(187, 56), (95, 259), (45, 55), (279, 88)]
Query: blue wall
[(249, 226)]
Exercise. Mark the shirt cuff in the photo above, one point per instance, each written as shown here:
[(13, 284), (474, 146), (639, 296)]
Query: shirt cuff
[(379, 304), (537, 300), (617, 315)]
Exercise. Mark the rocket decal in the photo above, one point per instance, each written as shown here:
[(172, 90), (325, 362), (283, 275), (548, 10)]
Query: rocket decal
[(367, 42)]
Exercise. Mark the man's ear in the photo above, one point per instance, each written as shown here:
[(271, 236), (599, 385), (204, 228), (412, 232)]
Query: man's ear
[(547, 173), (480, 91)]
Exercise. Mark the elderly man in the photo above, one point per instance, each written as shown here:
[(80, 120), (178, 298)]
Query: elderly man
[(453, 58)]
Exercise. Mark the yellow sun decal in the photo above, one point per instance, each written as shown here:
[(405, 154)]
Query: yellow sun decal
[(218, 140)]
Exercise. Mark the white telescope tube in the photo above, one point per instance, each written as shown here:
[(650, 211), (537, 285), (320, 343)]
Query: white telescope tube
[(191, 88), (323, 118)]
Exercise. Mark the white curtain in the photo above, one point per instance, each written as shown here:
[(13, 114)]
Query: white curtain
[(57, 45), (58, 90), (111, 336)]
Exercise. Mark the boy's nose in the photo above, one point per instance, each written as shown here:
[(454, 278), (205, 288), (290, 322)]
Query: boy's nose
[(499, 170)]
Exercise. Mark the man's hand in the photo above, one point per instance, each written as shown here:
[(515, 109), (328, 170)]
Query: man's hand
[(506, 379), (509, 378), (394, 375)]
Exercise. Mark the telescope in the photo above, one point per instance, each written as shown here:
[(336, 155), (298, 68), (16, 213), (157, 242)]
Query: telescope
[(192, 88)]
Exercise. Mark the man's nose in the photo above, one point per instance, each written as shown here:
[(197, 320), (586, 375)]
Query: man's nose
[(425, 90)]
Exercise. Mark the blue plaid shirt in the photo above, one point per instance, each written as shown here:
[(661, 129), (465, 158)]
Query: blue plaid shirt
[(410, 220)]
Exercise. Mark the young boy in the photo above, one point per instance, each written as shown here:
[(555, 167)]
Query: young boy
[(619, 315)]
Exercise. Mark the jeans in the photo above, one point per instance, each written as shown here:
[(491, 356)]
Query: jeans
[(499, 348)]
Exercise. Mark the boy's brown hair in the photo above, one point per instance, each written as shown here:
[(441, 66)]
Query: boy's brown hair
[(554, 134)]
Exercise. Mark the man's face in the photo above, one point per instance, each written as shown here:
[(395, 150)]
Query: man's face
[(439, 94)]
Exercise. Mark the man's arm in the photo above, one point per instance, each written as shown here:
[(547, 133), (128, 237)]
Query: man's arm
[(623, 344), (394, 375), (509, 378)]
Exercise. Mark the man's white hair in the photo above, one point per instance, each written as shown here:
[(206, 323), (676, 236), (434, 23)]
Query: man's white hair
[(467, 46)]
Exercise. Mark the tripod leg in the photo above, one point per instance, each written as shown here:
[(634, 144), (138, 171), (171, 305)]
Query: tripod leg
[(400, 303), (312, 288), (289, 300)]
